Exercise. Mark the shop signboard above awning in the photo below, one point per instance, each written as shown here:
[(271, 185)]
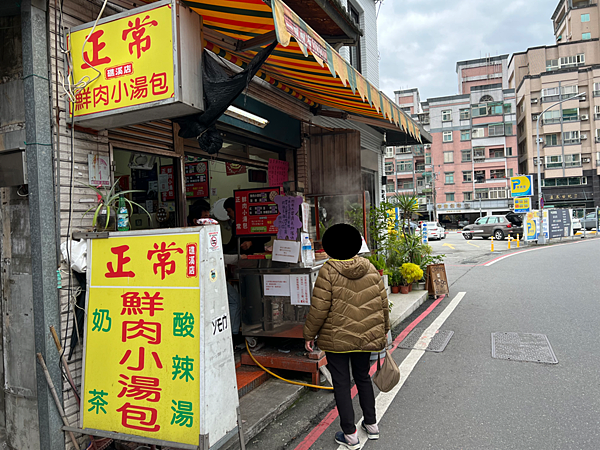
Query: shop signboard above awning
[(306, 66)]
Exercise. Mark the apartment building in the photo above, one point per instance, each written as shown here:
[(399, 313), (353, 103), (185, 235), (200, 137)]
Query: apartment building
[(466, 170), (567, 72), (576, 20)]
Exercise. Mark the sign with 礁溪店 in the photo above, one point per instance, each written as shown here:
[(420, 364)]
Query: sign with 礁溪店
[(153, 301), (130, 65)]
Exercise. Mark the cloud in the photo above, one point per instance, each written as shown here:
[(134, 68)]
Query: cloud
[(420, 41)]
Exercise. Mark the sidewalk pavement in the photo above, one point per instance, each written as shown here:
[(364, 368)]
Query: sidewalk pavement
[(263, 405)]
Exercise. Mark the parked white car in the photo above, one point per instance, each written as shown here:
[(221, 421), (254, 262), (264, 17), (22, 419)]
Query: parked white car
[(576, 224), (435, 230)]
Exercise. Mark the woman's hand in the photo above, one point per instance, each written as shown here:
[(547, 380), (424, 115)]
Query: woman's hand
[(309, 345)]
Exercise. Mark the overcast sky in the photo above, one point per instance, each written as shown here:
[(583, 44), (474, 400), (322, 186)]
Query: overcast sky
[(420, 41)]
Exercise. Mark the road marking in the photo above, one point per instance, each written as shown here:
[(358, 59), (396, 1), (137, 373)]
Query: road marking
[(316, 432), (500, 258), (449, 245), (384, 399), (474, 245)]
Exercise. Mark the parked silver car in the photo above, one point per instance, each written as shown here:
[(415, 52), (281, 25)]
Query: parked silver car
[(590, 221)]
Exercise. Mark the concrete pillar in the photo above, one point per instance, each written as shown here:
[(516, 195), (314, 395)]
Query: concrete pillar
[(42, 199)]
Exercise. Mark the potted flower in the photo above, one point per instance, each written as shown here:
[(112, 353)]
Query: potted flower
[(410, 273), (395, 281), (105, 211)]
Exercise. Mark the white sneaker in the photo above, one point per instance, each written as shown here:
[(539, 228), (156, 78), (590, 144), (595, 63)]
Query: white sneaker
[(372, 430)]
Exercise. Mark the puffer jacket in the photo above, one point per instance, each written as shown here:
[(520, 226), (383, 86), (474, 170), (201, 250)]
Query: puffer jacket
[(349, 308)]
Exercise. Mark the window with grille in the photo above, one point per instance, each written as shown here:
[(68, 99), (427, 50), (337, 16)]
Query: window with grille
[(478, 133), (497, 193), (496, 130), (478, 153), (479, 176)]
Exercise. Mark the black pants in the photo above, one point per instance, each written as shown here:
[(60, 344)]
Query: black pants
[(339, 366)]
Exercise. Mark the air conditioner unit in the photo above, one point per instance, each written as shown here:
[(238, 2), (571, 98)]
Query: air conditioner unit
[(586, 160), (534, 101), (582, 98), (539, 141), (585, 117), (583, 136)]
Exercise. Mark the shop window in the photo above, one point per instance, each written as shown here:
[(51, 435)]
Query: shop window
[(155, 177)]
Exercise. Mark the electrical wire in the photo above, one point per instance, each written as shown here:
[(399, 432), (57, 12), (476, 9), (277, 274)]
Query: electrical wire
[(297, 383)]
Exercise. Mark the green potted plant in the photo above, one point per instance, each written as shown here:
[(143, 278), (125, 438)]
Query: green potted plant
[(395, 281), (410, 273), (378, 263), (105, 211)]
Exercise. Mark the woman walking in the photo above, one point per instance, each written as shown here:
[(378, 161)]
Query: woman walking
[(349, 313)]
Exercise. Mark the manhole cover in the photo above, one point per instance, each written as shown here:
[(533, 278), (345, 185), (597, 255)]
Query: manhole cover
[(523, 347), (438, 342)]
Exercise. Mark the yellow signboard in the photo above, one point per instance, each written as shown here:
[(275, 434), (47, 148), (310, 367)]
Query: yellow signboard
[(142, 356), (132, 57)]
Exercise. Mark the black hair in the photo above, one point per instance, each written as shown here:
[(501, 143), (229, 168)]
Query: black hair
[(196, 210), (229, 203)]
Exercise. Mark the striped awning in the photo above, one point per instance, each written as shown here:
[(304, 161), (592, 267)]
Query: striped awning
[(306, 66)]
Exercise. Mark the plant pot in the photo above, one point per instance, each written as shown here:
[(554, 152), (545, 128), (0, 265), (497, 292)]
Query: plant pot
[(404, 289), (395, 289), (410, 288), (101, 220), (381, 272)]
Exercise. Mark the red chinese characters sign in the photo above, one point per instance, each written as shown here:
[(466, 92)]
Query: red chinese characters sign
[(142, 337), (256, 211), (130, 57)]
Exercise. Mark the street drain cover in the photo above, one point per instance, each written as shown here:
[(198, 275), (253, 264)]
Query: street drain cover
[(528, 347), (438, 342)]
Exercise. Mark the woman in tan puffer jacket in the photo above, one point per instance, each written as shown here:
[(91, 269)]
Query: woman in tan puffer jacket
[(349, 313)]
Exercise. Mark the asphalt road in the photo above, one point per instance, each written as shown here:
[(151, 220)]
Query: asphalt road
[(462, 398)]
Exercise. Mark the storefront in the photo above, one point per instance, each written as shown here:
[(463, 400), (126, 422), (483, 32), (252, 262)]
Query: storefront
[(126, 132)]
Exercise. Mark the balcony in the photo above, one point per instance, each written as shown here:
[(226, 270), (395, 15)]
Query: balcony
[(555, 120), (555, 98)]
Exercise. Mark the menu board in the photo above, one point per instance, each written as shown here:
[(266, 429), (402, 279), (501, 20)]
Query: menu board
[(196, 179), (256, 211)]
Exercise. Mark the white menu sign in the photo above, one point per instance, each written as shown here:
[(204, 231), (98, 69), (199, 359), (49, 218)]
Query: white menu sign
[(277, 285), (300, 290)]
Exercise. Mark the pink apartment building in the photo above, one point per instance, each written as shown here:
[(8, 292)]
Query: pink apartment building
[(465, 173)]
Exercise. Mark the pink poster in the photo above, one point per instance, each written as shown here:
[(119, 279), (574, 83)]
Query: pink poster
[(278, 172)]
